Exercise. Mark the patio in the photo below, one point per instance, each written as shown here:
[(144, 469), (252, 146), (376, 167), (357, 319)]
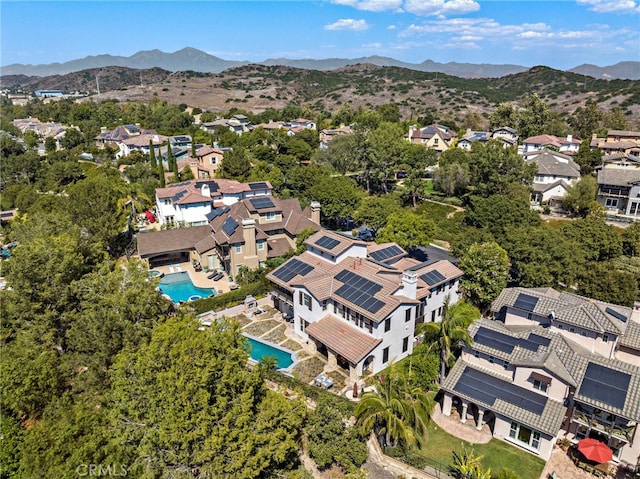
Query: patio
[(270, 327)]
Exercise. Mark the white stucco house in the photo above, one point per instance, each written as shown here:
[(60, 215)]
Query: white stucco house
[(551, 365), (359, 303), (556, 172), (190, 202)]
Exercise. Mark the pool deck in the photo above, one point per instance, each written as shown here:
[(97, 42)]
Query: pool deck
[(198, 278)]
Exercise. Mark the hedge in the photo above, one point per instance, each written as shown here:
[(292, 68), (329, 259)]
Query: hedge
[(226, 300)]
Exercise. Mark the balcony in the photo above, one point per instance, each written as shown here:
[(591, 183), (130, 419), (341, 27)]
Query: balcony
[(613, 192), (606, 425)]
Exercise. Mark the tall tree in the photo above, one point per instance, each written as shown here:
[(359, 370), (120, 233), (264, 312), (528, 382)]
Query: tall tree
[(443, 336), (374, 211), (339, 196), (580, 196), (152, 155), (408, 229), (504, 115), (534, 117), (486, 269), (235, 165)]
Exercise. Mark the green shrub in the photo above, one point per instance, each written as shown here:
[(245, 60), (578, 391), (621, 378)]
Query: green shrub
[(226, 300)]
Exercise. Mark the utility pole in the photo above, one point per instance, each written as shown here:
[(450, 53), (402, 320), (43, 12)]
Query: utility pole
[(98, 83)]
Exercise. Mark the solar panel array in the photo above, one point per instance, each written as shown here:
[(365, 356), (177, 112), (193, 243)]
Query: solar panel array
[(291, 268), (229, 226), (359, 291), (505, 343), (261, 203), (214, 213), (386, 253), (179, 195), (616, 314), (327, 242), (261, 185), (213, 186), (526, 302), (606, 385), (487, 389), (432, 277)]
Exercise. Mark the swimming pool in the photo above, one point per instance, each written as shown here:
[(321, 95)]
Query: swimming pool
[(260, 349), (180, 288)]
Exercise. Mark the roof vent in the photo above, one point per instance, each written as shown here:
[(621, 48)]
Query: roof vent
[(552, 315)]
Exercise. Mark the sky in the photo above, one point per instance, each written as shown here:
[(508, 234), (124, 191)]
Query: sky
[(560, 34)]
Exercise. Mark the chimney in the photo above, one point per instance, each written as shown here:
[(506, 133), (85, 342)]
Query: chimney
[(315, 212), (409, 284), (569, 138), (104, 128), (249, 234), (205, 191)]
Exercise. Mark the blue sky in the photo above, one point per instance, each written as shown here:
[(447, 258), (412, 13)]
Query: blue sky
[(559, 34)]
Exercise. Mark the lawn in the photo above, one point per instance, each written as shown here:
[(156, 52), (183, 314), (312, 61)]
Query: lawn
[(497, 454)]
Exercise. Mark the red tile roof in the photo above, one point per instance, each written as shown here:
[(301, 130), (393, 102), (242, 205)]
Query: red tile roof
[(346, 340)]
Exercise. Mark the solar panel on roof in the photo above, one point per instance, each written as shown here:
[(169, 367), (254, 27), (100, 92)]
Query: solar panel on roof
[(178, 195), (526, 302), (538, 340), (386, 253), (327, 242), (616, 314), (229, 226), (505, 343), (262, 203), (487, 389), (432, 277), (261, 185), (359, 291), (288, 270), (606, 385)]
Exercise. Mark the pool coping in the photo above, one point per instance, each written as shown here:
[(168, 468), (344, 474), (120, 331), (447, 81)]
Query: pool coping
[(294, 354)]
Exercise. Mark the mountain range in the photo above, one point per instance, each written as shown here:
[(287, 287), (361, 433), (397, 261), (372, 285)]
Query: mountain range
[(191, 59)]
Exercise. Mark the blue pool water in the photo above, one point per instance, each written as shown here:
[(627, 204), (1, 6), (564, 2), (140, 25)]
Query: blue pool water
[(259, 349), (178, 287)]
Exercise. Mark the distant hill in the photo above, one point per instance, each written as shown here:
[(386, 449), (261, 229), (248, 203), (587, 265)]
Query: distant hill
[(627, 70), (191, 59)]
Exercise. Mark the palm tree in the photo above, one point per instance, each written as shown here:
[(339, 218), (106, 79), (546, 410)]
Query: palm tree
[(456, 318), (397, 412)]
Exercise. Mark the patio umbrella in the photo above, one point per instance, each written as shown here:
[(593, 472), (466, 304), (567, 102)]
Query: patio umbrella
[(594, 450)]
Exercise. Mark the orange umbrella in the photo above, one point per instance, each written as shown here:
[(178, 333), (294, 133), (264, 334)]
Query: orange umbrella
[(594, 450)]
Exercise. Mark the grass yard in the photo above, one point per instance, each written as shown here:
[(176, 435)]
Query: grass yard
[(497, 454)]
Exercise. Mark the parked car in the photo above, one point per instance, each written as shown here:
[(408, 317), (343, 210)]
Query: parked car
[(365, 235)]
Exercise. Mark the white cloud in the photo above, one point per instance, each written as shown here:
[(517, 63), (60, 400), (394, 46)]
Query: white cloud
[(372, 46), (428, 8), (371, 5), (348, 24), (391, 27), (612, 6)]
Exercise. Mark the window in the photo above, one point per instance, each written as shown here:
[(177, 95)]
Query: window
[(491, 359), (476, 354), (307, 301), (385, 354), (271, 215), (324, 305), (300, 297), (238, 248), (260, 245), (505, 364), (387, 325), (540, 385), (407, 315), (611, 202), (572, 330), (433, 316), (529, 315), (524, 435), (405, 344), (605, 338), (584, 333), (559, 325)]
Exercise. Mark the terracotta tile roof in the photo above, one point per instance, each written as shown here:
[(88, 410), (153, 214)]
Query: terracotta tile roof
[(343, 242), (277, 247), (631, 337), (339, 336), (154, 243), (551, 163)]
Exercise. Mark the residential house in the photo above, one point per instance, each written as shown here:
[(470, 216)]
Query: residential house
[(568, 145), (181, 141), (123, 132), (550, 365), (438, 137), (507, 134), (359, 303), (619, 184), (43, 130), (188, 203), (618, 141), (556, 173), (238, 124), (471, 137), (141, 143), (206, 162), (254, 229), (328, 134)]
